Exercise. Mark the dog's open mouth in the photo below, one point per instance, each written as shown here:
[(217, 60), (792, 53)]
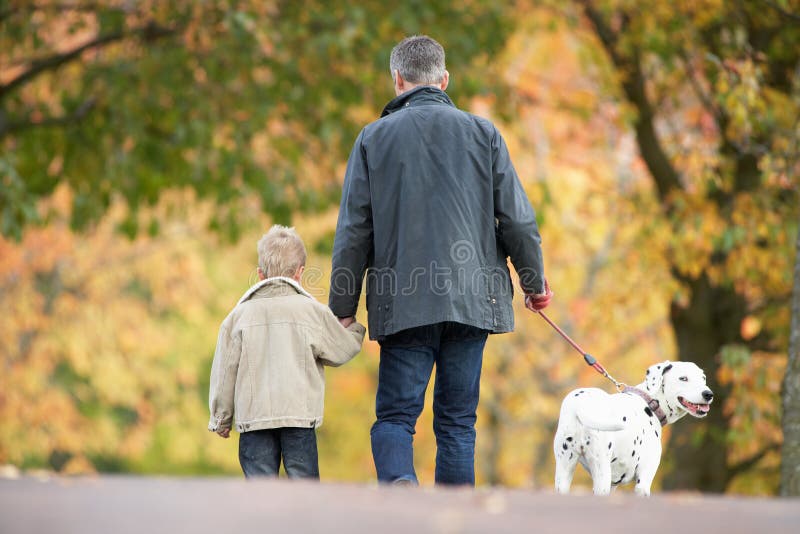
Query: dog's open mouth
[(697, 410)]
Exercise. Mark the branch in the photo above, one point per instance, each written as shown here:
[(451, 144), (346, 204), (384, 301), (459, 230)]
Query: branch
[(79, 7), (633, 85), (681, 277), (764, 342), (748, 463), (79, 113), (66, 6), (789, 15), (607, 37), (150, 31), (701, 94)]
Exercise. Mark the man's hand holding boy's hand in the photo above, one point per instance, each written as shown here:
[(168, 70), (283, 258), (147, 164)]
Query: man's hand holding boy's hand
[(224, 432), (346, 321), (539, 301)]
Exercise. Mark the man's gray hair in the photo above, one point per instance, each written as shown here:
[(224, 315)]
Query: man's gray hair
[(281, 252), (419, 59)]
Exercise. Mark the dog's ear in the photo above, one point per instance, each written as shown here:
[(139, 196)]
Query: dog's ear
[(655, 376)]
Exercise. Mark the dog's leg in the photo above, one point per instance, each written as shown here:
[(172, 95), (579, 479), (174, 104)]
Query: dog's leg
[(565, 469), (563, 447), (601, 478), (642, 487), (647, 471)]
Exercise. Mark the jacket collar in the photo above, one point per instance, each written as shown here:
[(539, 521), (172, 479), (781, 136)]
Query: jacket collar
[(276, 281), (419, 95)]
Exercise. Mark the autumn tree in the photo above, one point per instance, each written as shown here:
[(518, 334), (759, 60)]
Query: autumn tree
[(711, 91), (230, 98), (248, 101), (115, 103), (99, 365)]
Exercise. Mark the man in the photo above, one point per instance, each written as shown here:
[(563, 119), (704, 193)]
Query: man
[(432, 207)]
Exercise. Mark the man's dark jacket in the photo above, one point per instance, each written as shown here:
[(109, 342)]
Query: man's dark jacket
[(431, 209)]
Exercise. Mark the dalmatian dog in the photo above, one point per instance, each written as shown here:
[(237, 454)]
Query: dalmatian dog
[(617, 438)]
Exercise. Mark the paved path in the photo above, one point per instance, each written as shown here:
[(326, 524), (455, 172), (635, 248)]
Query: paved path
[(119, 505)]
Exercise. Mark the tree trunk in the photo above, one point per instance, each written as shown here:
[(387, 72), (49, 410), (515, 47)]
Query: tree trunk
[(790, 456), (696, 455)]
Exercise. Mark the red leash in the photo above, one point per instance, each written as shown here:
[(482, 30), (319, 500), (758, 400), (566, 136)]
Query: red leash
[(590, 360)]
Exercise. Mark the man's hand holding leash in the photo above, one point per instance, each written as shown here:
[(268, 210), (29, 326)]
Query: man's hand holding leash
[(539, 301)]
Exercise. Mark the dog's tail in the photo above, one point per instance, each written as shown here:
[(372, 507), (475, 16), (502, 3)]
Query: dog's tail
[(593, 410)]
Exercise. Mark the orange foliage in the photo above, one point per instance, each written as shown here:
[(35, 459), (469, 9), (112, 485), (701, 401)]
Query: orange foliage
[(109, 341)]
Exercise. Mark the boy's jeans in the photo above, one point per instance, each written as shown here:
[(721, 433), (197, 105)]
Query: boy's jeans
[(407, 360), (260, 452)]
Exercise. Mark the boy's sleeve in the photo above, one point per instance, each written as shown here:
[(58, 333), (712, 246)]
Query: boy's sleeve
[(334, 344), (223, 377)]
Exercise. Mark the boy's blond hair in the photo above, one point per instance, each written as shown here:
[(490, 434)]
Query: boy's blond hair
[(281, 252)]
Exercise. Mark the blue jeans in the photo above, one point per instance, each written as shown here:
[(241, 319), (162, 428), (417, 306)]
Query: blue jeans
[(260, 452), (407, 360)]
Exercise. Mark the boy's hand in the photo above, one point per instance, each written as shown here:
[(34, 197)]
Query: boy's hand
[(346, 321), (224, 432)]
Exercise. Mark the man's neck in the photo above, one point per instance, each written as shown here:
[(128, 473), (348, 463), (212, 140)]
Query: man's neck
[(407, 87)]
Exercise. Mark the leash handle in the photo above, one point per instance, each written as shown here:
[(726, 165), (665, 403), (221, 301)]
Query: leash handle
[(588, 358)]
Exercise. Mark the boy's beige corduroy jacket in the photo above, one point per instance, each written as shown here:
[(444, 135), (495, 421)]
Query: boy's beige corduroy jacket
[(268, 366)]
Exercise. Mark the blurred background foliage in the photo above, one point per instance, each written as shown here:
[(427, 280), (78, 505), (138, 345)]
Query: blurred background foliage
[(145, 146), (231, 98)]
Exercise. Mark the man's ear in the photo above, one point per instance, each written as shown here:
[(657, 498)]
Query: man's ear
[(399, 83), (655, 376), (261, 274), (445, 81)]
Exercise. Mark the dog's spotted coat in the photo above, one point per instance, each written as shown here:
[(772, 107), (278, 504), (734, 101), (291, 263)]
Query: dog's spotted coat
[(617, 438)]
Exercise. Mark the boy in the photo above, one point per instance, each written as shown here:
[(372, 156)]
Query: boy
[(267, 368)]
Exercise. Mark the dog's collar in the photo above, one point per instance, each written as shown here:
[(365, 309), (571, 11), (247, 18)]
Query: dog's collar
[(652, 403)]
